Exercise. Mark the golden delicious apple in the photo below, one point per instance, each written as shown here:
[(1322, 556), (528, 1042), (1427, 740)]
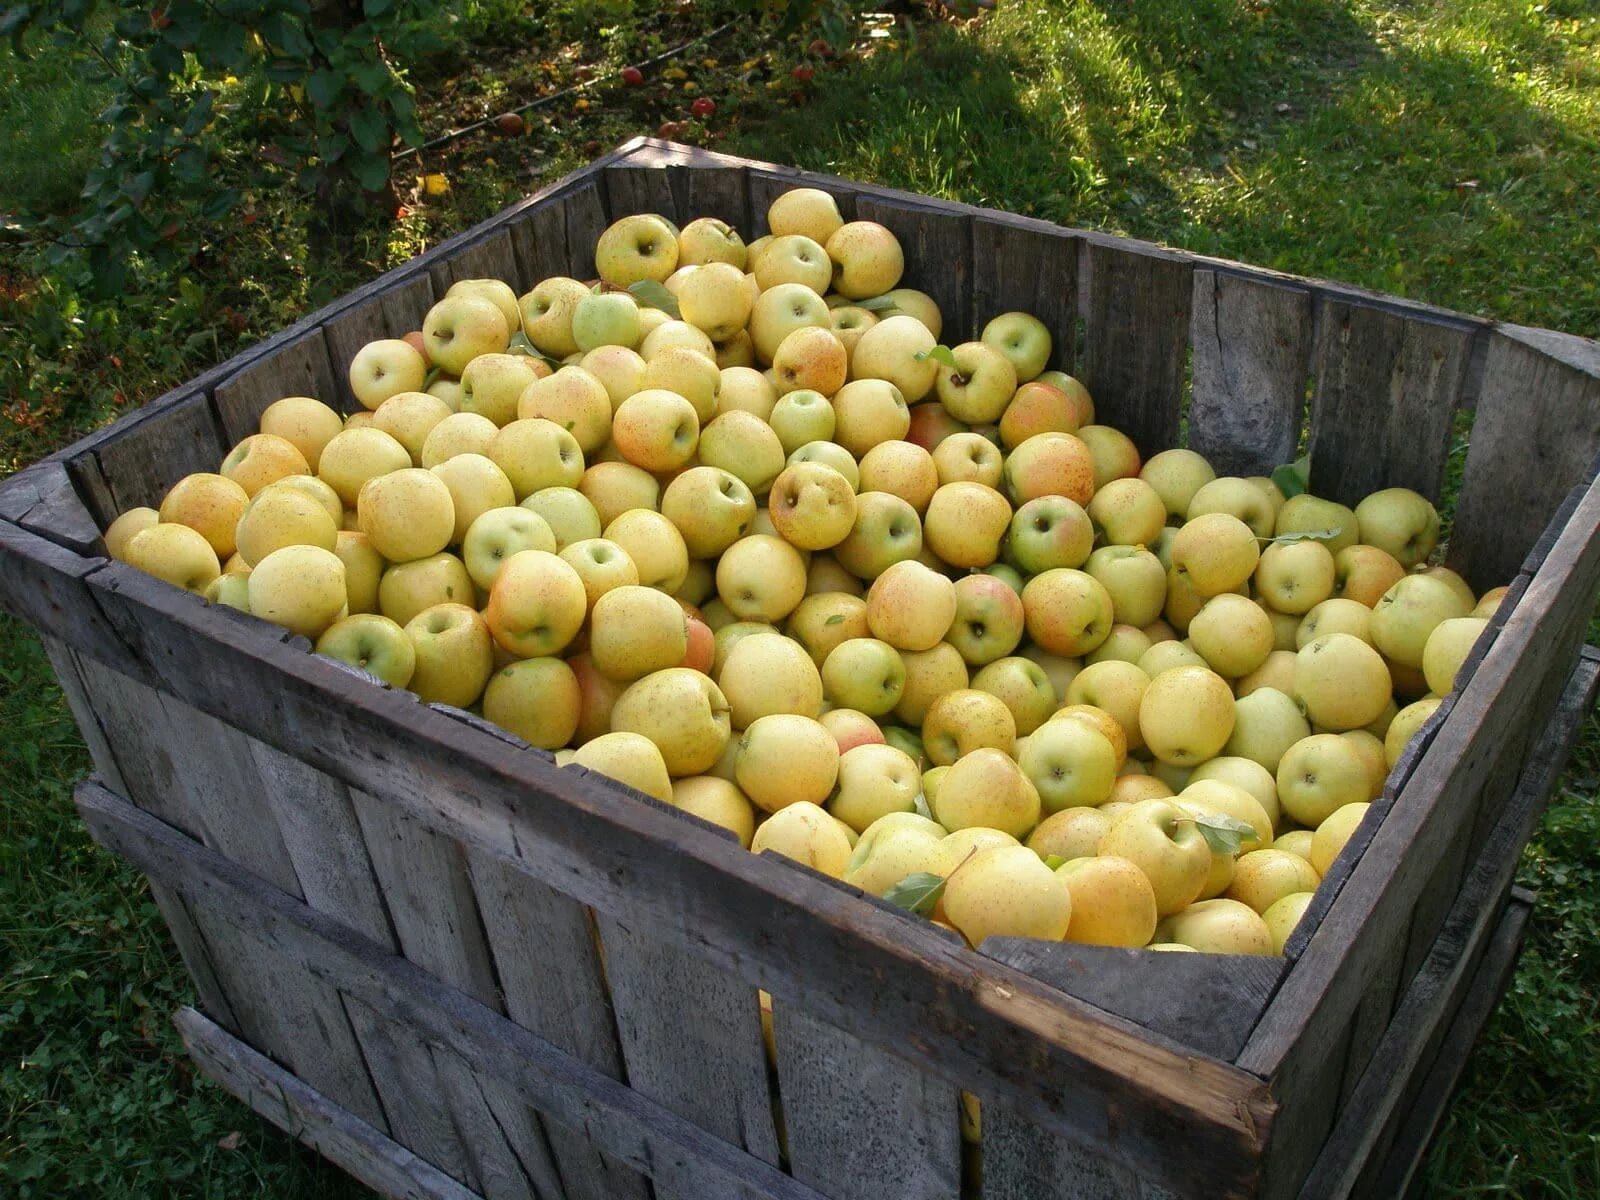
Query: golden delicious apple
[(357, 455), (1070, 764), (1214, 553), (1447, 648), (1334, 833), (537, 699), (262, 459), (718, 801), (300, 588), (1318, 775), (1295, 577), (812, 506), (745, 446), (1176, 475), (1113, 903), (537, 604), (307, 424), (574, 400), (1407, 722), (1341, 682), (122, 530), (460, 328), (628, 758), (805, 833), (653, 543), (1400, 522), (1163, 841), (965, 457), (766, 675), (683, 712), (1217, 927), (910, 606), (1364, 573), (211, 505), (1051, 464), (867, 259), (1233, 634), (761, 577), (385, 368), (634, 248), (1283, 917), (1021, 338), (966, 524), (1408, 614), (374, 644), (405, 589), (1186, 715), (635, 630), (876, 781), (407, 515), (459, 433), (963, 721), (897, 349), (784, 758), (1006, 891), (177, 554)]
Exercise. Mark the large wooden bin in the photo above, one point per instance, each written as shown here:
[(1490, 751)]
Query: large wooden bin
[(459, 971)]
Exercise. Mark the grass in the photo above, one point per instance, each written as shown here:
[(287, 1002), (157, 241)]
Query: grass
[(1445, 151)]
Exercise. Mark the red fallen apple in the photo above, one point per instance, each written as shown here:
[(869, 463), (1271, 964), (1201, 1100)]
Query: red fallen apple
[(669, 129), (822, 48), (632, 76), (803, 73), (510, 123), (703, 107)]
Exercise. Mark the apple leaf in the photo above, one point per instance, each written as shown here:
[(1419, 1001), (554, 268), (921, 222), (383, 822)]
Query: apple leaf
[(1308, 535), (520, 344), (922, 807), (939, 354), (652, 294), (917, 893), (1292, 478), (433, 374), (1053, 861), (836, 619), (876, 304), (1224, 834)]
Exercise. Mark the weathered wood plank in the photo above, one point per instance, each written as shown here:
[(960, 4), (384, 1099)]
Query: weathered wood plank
[(1387, 389), (1251, 354), (151, 456), (491, 257), (394, 312), (529, 927), (42, 499), (361, 1149), (859, 1121), (1208, 1001), (42, 584), (504, 1141), (539, 238), (587, 217), (646, 1135), (1136, 341), (1024, 1162), (1316, 1002), (1535, 435), (1067, 1060), (301, 368), (1031, 267), (714, 191), (691, 1041), (939, 260), (642, 189)]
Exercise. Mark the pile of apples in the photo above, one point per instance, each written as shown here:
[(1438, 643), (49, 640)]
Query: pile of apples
[(731, 526)]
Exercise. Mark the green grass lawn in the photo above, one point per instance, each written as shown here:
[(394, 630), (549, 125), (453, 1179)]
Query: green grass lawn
[(1445, 151)]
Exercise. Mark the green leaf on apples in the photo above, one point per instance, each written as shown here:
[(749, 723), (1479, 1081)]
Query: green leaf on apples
[(1224, 834), (1293, 478), (1307, 535), (920, 804), (1053, 861), (876, 304), (520, 344), (653, 294), (836, 619), (939, 354), (918, 893), (432, 375)]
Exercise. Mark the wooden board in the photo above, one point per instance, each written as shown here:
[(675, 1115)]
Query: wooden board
[(859, 1120), (43, 500), (394, 312), (1251, 353), (301, 368), (539, 239), (938, 249), (1387, 389), (151, 456), (1027, 266), (493, 256), (691, 1041), (361, 1149), (1023, 1162), (642, 189), (1535, 435), (647, 1136), (1136, 341), (714, 191), (586, 220)]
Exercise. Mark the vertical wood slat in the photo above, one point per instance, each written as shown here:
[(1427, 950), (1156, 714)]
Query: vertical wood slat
[(587, 216), (938, 251), (392, 313), (1023, 1162), (643, 189), (539, 240), (301, 368), (194, 772), (1387, 389), (858, 1119), (691, 1039), (1136, 341), (532, 928), (152, 455), (424, 880), (491, 257), (1251, 353), (1535, 435), (1030, 267), (766, 185), (719, 192)]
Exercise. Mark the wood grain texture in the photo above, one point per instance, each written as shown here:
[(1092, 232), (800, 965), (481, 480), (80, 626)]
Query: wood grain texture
[(643, 189), (645, 1135), (361, 1149), (43, 584), (539, 239), (531, 927), (859, 1120), (586, 219), (1027, 266), (43, 499), (1024, 1162), (391, 313), (714, 191), (1251, 354), (301, 368), (963, 1019), (151, 456), (691, 1041), (1136, 341), (939, 261), (1387, 390), (1209, 1002), (1421, 1016), (493, 256), (1535, 435), (1319, 996)]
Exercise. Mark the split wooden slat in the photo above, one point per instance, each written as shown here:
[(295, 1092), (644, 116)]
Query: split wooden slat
[(691, 1041), (1031, 267), (302, 368), (539, 239), (642, 189), (857, 1117), (1387, 389), (361, 1149), (1252, 348), (43, 499), (391, 313), (1136, 341), (938, 251), (1536, 434), (151, 456)]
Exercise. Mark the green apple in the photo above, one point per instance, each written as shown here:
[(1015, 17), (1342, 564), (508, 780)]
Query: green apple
[(1176, 475), (1401, 523), (1134, 579), (635, 248), (1306, 513), (802, 416), (865, 674), (779, 311), (1021, 338), (886, 531), (989, 619), (1408, 613), (1164, 842), (1237, 498), (977, 389), (458, 329), (1070, 764)]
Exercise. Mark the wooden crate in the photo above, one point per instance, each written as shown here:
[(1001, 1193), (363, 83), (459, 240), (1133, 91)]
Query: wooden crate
[(461, 972)]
